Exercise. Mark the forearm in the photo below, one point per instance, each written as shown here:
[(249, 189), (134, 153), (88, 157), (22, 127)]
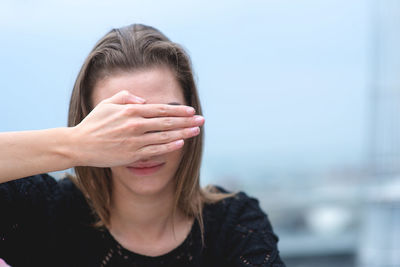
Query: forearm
[(32, 152), (115, 133)]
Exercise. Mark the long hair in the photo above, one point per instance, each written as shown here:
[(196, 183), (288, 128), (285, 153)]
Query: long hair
[(138, 47)]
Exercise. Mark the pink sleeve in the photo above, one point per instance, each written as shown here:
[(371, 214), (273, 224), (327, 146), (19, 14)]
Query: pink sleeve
[(3, 263)]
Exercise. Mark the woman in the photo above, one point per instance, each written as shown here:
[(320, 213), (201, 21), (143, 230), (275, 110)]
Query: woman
[(136, 198)]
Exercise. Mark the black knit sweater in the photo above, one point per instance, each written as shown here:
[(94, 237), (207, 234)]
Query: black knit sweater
[(44, 222)]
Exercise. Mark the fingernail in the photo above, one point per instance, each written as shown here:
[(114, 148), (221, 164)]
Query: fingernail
[(195, 130), (190, 110), (198, 119), (179, 143), (139, 99)]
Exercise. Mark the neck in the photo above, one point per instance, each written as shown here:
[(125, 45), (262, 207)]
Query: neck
[(144, 224), (143, 216)]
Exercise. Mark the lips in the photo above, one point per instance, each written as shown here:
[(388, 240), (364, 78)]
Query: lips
[(145, 168)]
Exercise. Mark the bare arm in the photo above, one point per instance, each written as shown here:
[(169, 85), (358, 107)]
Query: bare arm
[(33, 152), (119, 130)]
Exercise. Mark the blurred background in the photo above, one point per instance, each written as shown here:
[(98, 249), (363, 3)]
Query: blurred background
[(301, 99)]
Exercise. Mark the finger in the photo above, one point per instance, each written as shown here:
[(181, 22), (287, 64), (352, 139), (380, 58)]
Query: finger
[(164, 137), (171, 123), (163, 110), (124, 97), (155, 150)]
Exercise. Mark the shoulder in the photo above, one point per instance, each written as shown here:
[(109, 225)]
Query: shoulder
[(38, 184), (32, 210), (28, 187), (38, 191), (239, 207), (243, 230)]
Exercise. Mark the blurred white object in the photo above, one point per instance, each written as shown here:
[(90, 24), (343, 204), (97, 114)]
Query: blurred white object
[(328, 219)]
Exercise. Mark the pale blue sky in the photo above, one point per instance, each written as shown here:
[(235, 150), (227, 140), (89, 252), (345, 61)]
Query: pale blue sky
[(284, 83)]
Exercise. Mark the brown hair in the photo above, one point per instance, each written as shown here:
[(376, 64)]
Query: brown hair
[(132, 48)]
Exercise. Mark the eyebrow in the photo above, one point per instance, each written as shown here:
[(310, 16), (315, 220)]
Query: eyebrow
[(175, 103)]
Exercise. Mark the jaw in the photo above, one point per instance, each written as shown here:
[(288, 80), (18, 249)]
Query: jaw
[(128, 185)]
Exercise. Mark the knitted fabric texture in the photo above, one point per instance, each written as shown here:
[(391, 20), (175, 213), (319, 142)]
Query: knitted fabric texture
[(45, 222)]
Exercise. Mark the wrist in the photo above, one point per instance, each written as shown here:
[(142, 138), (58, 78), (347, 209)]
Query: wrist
[(69, 147)]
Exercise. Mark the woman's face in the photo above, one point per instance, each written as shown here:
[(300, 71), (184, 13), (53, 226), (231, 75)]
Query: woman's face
[(157, 85)]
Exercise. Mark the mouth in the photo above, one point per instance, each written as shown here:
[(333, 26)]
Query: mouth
[(146, 168)]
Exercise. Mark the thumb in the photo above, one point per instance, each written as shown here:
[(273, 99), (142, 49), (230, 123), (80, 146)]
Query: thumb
[(124, 97)]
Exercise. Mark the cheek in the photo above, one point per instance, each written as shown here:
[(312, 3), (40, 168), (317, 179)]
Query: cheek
[(117, 171), (175, 157)]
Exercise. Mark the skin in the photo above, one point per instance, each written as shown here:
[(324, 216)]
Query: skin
[(111, 135), (141, 218), (122, 129)]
